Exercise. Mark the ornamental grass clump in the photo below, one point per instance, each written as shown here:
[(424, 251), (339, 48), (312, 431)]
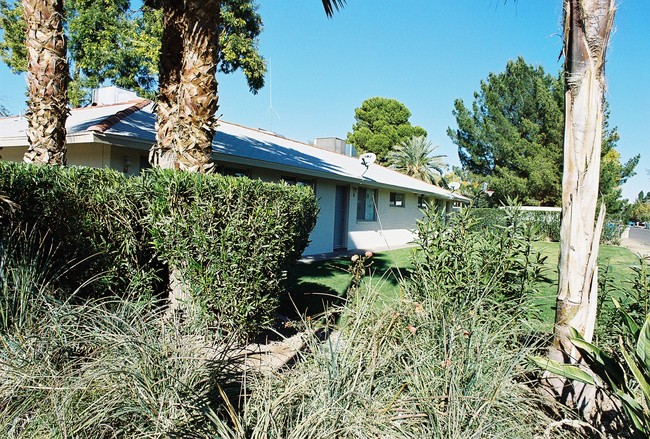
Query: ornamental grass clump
[(408, 370), (107, 367), (448, 359)]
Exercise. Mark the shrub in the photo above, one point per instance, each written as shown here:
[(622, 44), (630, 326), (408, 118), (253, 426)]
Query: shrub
[(234, 239), (91, 217), (546, 225), (461, 261)]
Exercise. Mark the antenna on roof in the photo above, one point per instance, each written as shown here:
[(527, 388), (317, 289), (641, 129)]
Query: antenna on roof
[(366, 160), (271, 111)]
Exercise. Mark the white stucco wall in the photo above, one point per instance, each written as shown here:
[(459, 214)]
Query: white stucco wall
[(322, 237), (394, 226), (86, 154)]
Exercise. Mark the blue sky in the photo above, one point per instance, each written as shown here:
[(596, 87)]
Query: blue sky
[(424, 53)]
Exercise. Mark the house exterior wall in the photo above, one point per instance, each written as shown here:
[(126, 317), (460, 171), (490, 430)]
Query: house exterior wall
[(393, 227), (12, 154), (95, 155)]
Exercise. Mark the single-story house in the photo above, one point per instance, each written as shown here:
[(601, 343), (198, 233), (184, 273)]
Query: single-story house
[(361, 207)]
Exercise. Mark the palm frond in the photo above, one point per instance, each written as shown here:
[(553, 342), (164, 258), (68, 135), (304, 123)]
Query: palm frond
[(332, 5)]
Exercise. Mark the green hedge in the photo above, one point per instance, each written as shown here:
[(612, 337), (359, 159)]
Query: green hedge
[(545, 224), (235, 238), (90, 218)]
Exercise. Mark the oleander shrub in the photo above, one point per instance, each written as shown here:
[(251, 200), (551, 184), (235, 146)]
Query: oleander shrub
[(460, 260), (91, 218), (232, 239), (546, 225)]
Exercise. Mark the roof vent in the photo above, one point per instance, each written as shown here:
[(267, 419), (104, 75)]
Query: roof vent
[(336, 145), (112, 95)]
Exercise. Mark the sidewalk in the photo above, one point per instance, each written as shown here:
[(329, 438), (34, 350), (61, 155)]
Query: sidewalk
[(638, 241)]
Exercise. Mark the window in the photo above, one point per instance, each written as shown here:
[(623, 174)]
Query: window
[(233, 172), (422, 201), (366, 201), (298, 181), (396, 199)]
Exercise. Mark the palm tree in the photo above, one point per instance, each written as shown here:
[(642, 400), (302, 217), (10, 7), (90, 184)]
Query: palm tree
[(47, 79), (587, 26), (415, 157), (188, 99)]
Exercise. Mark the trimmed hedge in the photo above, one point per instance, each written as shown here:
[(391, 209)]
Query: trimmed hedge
[(235, 238), (91, 219), (545, 224)]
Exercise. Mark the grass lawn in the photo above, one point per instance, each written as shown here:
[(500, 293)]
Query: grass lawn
[(615, 271), (327, 281)]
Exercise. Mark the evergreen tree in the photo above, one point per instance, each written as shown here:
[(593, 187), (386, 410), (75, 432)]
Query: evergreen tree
[(512, 139), (512, 135), (381, 124)]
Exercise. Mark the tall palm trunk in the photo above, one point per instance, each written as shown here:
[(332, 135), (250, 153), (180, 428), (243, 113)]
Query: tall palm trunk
[(47, 79), (588, 24), (188, 99)]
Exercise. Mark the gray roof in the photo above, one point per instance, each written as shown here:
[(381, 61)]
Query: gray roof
[(133, 124)]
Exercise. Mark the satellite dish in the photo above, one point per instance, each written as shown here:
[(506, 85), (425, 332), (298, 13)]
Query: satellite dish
[(367, 159), (454, 185)]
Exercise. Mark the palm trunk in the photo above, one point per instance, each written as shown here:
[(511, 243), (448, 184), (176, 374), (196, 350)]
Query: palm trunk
[(163, 153), (47, 79), (588, 24), (188, 87)]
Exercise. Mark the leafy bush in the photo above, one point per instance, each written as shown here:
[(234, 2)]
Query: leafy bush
[(91, 217), (233, 239), (461, 261), (546, 225)]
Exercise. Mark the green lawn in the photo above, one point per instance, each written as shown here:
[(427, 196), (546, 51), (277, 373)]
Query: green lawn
[(323, 282), (615, 269), (327, 281)]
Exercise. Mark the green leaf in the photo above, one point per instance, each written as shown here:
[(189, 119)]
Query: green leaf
[(631, 324), (643, 344), (569, 371), (608, 369)]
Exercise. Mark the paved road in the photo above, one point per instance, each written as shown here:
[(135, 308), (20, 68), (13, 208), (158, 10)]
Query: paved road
[(638, 241)]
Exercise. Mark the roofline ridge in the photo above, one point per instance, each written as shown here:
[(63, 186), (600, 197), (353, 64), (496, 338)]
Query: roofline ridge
[(116, 118)]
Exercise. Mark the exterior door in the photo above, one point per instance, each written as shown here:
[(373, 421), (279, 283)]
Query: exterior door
[(341, 218)]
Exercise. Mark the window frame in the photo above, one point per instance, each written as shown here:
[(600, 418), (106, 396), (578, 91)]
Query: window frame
[(363, 207), (394, 201)]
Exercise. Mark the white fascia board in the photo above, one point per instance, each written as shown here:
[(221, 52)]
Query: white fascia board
[(11, 142), (21, 141)]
